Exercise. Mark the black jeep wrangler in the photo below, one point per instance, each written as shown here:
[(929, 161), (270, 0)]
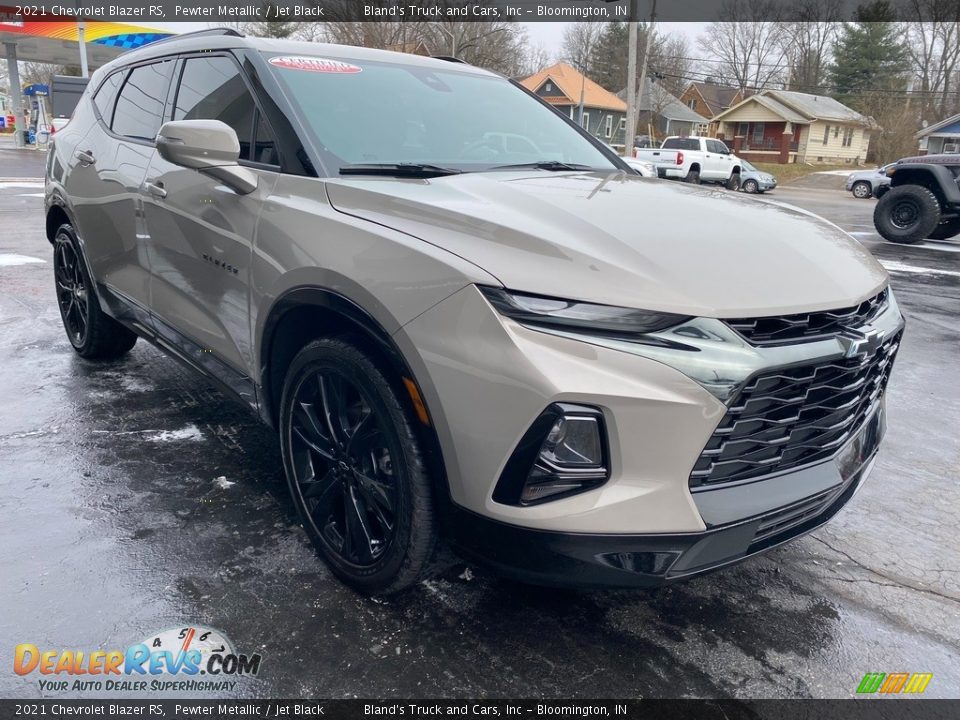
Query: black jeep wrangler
[(922, 200)]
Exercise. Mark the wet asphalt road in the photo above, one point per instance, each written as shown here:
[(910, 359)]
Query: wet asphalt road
[(116, 526)]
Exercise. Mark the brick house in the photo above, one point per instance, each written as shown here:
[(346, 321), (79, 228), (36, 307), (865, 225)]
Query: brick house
[(781, 126), (709, 100)]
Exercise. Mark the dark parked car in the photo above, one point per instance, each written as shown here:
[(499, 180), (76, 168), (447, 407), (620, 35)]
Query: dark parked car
[(923, 200)]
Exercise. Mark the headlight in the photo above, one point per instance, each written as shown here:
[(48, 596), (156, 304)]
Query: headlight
[(537, 310)]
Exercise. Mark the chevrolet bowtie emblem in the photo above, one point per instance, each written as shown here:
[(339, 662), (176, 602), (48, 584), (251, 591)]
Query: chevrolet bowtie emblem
[(860, 343)]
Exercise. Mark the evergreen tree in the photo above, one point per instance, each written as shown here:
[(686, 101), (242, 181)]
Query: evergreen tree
[(869, 56)]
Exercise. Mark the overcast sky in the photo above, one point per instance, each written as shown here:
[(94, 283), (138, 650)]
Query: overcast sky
[(548, 34)]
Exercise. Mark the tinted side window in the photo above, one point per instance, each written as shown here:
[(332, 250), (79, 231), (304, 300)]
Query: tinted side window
[(264, 148), (681, 144), (213, 89), (106, 95), (716, 147), (140, 105)]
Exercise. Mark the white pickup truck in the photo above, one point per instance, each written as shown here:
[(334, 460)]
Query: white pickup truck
[(694, 160)]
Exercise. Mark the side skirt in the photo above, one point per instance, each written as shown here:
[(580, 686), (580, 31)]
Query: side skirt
[(235, 385)]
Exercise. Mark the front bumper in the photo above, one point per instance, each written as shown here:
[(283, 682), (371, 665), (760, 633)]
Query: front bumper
[(485, 379), (604, 560)]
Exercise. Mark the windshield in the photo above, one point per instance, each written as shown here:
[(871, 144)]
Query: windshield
[(747, 166), (362, 112)]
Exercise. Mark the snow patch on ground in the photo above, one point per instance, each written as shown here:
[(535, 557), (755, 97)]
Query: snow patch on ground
[(11, 259), (190, 432), (222, 482), (26, 184), (897, 266)]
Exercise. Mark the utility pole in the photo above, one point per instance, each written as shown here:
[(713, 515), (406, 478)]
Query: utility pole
[(634, 91), (81, 39)]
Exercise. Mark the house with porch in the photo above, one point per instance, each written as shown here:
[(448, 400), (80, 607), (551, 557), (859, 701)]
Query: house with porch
[(604, 114), (781, 126), (709, 99), (941, 137)]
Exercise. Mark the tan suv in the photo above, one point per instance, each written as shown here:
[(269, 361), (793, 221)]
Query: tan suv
[(465, 317)]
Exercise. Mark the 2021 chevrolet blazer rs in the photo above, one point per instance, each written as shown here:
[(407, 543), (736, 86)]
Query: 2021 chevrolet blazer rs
[(465, 317)]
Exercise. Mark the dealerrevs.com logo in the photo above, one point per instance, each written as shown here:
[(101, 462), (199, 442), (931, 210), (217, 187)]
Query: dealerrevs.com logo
[(187, 659)]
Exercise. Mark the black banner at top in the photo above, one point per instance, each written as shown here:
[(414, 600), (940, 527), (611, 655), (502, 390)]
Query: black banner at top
[(220, 11)]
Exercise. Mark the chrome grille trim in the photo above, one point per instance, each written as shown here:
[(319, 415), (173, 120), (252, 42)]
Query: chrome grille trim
[(779, 329), (787, 418)]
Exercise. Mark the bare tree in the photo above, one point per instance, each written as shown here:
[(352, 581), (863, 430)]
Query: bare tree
[(933, 33), (807, 38), (579, 44), (748, 43), (670, 62), (496, 45)]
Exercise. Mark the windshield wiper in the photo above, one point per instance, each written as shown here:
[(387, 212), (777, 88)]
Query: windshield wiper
[(551, 165), (413, 170)]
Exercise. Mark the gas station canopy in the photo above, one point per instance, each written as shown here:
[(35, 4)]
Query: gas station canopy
[(58, 42)]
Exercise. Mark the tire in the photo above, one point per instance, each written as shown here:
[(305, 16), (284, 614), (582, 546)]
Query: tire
[(734, 182), (370, 516), (862, 189), (693, 177), (907, 214), (946, 230), (751, 186), (92, 333)]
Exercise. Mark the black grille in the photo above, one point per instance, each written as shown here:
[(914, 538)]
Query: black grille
[(808, 326), (794, 416)]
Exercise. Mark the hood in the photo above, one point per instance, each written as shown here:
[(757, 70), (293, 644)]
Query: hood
[(625, 240)]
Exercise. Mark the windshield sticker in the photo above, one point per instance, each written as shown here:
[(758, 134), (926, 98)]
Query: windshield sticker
[(314, 64)]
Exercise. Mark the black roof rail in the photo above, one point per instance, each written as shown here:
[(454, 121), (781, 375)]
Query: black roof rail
[(449, 58), (219, 31)]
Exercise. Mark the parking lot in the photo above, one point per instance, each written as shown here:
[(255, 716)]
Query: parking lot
[(136, 498)]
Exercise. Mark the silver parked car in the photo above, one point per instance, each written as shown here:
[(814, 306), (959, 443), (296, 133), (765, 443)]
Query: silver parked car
[(463, 316), (867, 183), (754, 180)]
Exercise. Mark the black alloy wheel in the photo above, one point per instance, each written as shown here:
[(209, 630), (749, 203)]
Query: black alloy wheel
[(93, 334), (72, 293), (343, 468), (355, 469)]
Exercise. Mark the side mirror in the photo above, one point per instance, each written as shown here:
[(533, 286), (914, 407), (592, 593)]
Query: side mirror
[(209, 146)]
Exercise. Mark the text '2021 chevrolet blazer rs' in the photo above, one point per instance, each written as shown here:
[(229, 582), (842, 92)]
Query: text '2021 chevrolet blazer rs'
[(465, 317)]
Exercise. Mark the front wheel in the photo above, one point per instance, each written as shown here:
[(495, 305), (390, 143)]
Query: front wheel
[(734, 182), (751, 186), (93, 334), (355, 468), (907, 214), (861, 190)]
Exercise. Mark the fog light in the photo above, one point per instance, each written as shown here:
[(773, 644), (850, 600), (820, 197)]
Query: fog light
[(563, 452)]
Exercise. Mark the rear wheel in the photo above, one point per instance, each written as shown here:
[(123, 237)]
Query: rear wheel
[(693, 177), (355, 468), (861, 189), (946, 230), (907, 214), (93, 334), (751, 186)]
